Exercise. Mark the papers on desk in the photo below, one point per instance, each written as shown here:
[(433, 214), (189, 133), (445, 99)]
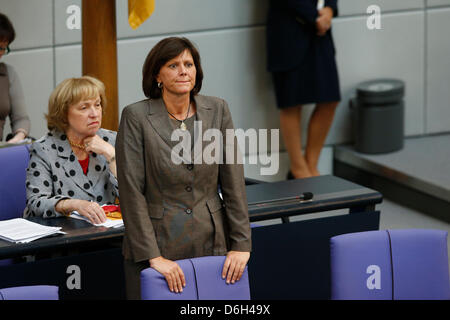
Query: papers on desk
[(23, 231), (110, 223)]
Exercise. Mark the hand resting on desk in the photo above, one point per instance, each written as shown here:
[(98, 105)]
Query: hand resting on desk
[(89, 209)]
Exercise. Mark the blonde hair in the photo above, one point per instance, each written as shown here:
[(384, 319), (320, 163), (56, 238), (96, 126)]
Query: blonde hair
[(69, 92)]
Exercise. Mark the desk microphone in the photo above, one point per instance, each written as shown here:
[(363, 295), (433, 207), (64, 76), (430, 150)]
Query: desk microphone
[(304, 197)]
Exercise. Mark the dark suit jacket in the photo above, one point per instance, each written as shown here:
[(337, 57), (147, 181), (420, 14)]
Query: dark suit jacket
[(291, 31), (175, 210)]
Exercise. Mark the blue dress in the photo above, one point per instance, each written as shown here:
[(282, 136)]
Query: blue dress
[(303, 65)]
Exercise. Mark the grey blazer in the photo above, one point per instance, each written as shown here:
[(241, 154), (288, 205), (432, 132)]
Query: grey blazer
[(54, 173), (175, 210)]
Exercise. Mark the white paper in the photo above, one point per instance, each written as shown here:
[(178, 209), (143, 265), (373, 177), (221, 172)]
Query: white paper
[(110, 223), (23, 231)]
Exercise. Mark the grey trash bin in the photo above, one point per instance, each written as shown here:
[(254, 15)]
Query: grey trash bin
[(378, 116)]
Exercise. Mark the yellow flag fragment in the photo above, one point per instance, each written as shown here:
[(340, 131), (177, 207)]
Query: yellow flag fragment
[(139, 11)]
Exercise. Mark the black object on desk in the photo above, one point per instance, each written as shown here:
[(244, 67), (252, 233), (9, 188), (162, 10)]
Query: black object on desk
[(330, 193)]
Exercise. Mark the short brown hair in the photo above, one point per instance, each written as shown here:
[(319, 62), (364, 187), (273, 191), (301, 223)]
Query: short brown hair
[(162, 52), (69, 92), (6, 29)]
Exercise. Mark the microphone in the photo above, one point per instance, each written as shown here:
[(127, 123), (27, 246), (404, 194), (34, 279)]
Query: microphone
[(306, 196)]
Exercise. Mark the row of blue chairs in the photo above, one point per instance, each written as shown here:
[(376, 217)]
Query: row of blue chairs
[(203, 282), (374, 265), (406, 264), (13, 169)]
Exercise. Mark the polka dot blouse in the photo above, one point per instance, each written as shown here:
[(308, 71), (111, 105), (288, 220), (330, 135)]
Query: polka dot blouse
[(54, 173)]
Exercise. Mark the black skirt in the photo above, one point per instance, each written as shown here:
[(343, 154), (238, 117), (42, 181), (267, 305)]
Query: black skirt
[(315, 80)]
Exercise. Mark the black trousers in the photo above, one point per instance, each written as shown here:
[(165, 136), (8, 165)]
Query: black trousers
[(133, 278)]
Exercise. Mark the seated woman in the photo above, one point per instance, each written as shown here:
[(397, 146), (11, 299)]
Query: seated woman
[(12, 101), (72, 167), (173, 211)]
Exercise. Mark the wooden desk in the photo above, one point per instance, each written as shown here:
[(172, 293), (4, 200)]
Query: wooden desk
[(86, 263), (291, 260), (80, 234), (329, 193), (301, 247)]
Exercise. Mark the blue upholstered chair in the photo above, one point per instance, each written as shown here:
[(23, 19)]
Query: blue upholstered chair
[(13, 168), (203, 282), (30, 293), (390, 265)]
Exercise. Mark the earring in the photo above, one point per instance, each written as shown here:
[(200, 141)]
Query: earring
[(160, 85)]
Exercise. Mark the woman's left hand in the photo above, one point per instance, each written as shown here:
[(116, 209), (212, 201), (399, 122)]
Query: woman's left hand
[(323, 22), (234, 265), (99, 146), (17, 138)]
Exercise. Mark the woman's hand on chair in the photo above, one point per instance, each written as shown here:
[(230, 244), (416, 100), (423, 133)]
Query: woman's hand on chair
[(171, 271), (234, 265)]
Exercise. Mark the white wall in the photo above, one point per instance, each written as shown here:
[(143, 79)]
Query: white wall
[(412, 45)]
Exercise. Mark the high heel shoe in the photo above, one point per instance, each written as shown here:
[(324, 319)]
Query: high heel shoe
[(290, 176)]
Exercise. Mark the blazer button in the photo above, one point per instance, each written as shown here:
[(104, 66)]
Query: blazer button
[(188, 188), (188, 211), (190, 167)]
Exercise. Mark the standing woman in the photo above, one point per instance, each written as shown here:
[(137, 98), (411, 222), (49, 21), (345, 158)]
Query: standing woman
[(173, 211), (12, 102), (301, 57)]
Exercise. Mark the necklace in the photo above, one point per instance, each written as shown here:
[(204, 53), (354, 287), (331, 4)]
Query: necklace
[(182, 124), (73, 144)]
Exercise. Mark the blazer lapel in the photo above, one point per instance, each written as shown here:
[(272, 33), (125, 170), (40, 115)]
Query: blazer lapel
[(204, 122), (96, 167), (70, 164), (160, 121)]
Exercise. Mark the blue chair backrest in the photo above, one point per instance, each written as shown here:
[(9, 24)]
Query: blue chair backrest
[(356, 261), (390, 264), (420, 264), (204, 281), (154, 285), (13, 168), (30, 293), (211, 286)]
